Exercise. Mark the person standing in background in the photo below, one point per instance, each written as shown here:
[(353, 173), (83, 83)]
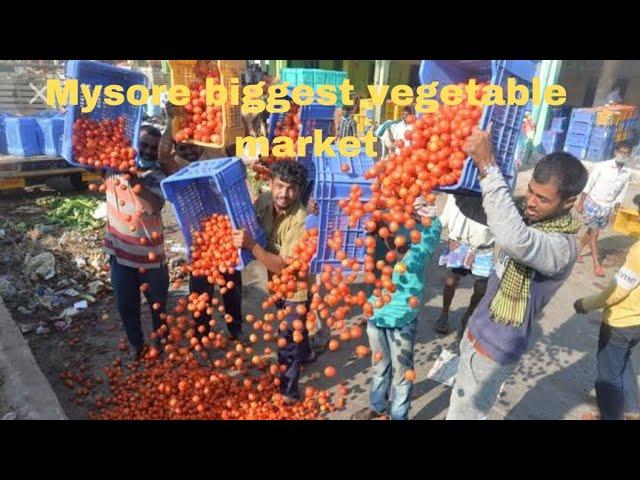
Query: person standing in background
[(347, 124), (470, 252), (397, 130), (134, 240), (616, 383), (599, 203), (177, 156)]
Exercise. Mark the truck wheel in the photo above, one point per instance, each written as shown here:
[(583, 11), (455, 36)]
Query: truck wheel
[(76, 181)]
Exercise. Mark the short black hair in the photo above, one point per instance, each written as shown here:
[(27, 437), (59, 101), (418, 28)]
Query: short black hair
[(408, 108), (151, 130), (636, 200), (289, 171), (624, 144), (565, 170)]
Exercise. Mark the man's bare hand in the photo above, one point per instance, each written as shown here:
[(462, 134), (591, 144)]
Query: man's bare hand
[(478, 146), (242, 239), (313, 207), (173, 110), (612, 217)]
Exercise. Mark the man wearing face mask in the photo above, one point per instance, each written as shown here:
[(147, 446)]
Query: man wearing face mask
[(134, 239), (601, 199)]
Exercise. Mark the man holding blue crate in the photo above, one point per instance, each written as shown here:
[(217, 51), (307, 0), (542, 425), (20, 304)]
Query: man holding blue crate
[(134, 240), (538, 249), (175, 156), (282, 216)]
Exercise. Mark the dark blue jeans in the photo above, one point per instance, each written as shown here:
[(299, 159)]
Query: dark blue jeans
[(126, 283), (232, 300), (616, 383), (293, 354)]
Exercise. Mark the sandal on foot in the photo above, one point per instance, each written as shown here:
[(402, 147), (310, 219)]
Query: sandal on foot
[(366, 414)]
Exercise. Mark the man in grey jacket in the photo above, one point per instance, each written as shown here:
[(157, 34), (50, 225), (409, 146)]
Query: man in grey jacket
[(537, 253)]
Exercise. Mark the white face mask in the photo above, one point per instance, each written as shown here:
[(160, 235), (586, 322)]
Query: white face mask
[(621, 160)]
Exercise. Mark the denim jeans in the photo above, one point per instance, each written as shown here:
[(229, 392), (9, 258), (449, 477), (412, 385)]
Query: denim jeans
[(126, 283), (477, 384), (232, 300), (396, 345), (293, 354), (616, 383)]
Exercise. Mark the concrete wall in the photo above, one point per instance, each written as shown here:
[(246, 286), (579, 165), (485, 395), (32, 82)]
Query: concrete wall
[(631, 71), (399, 73), (359, 75), (576, 75)]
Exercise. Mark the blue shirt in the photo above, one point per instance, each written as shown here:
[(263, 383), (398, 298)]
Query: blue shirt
[(398, 313)]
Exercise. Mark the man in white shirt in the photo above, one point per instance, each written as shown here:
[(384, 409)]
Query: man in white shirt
[(601, 199), (397, 130), (470, 252)]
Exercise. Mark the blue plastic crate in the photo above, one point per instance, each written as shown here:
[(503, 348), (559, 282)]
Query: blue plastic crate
[(559, 123), (601, 143), (583, 128), (50, 133), (95, 73), (313, 77), (602, 138), (577, 139), (579, 152), (3, 136), (563, 111), (507, 119), (583, 115), (22, 136), (312, 117), (603, 132), (599, 154), (552, 141), (309, 163), (331, 186), (213, 186)]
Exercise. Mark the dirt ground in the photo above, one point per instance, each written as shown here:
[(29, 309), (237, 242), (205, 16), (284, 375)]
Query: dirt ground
[(4, 406), (90, 343)]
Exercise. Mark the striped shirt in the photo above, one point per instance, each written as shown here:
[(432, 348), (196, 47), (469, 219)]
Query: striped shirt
[(347, 127), (127, 223)]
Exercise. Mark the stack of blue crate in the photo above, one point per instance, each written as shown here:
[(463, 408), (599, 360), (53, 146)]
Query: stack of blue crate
[(552, 140), (579, 132), (601, 143)]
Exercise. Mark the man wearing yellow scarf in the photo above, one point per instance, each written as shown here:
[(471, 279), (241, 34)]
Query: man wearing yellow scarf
[(537, 253)]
